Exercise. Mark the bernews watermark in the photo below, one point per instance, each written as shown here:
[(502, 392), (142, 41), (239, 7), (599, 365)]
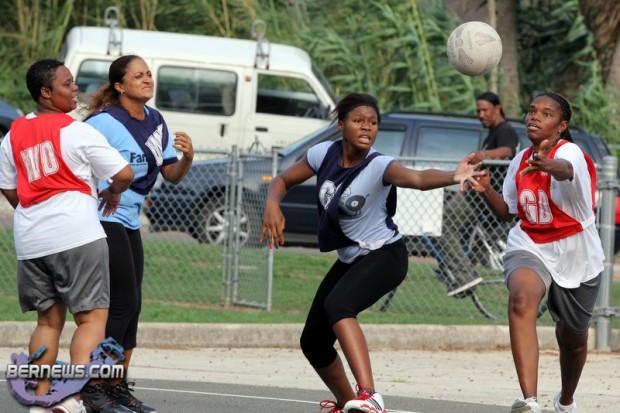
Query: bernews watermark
[(64, 371)]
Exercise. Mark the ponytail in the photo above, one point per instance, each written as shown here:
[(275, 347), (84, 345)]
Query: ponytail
[(106, 96)]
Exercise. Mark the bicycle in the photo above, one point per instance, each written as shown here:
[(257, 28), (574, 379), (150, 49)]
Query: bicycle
[(491, 295), (485, 244)]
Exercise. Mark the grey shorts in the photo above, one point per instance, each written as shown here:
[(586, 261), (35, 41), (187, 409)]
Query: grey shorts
[(79, 277), (572, 306)]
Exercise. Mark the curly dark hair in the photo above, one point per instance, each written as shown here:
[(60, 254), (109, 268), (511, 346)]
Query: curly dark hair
[(41, 74), (350, 102)]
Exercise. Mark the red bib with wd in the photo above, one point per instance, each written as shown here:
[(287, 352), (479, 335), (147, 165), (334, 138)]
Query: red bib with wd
[(41, 171)]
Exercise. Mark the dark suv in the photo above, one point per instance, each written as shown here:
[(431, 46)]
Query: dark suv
[(422, 140), (7, 115)]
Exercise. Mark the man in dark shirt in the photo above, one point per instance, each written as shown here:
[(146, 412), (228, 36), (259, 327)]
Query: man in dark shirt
[(462, 210)]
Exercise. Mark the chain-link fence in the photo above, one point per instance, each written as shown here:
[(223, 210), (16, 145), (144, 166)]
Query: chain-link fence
[(455, 243), (201, 242)]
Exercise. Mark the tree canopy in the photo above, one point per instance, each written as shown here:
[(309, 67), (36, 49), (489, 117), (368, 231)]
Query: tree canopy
[(393, 49)]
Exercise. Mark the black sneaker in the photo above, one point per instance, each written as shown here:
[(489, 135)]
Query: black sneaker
[(97, 398), (122, 393)]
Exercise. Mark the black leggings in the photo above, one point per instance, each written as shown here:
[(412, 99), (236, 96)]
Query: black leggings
[(126, 271), (347, 290)]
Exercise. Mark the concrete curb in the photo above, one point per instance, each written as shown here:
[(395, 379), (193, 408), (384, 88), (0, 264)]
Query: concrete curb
[(388, 336)]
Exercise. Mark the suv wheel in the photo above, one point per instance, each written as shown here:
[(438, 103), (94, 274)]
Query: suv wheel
[(213, 222)]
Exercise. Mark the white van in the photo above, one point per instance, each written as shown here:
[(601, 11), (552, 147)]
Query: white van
[(221, 91)]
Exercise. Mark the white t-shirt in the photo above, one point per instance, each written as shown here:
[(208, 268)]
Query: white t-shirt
[(577, 258), (69, 219)]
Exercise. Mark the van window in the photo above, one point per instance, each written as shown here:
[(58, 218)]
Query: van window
[(91, 75), (446, 143), (288, 96), (390, 142), (186, 89), (324, 83)]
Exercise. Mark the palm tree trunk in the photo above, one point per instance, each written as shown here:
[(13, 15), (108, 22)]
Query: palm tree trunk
[(509, 81)]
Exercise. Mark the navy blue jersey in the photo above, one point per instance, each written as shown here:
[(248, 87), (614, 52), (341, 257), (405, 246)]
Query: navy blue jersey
[(146, 145)]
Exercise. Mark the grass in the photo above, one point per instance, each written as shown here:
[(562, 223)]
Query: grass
[(176, 290)]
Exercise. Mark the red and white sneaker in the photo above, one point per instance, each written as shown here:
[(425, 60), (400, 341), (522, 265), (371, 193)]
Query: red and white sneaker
[(367, 401), (328, 404)]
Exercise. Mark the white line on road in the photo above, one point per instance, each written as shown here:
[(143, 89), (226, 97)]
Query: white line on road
[(244, 396)]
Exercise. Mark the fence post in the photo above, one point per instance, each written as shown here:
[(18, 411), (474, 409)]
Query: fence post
[(270, 251), (609, 185), (229, 245), (235, 224)]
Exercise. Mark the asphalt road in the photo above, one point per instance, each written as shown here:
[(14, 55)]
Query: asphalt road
[(280, 380), (200, 397)]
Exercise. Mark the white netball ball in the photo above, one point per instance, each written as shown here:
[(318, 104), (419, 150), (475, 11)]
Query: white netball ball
[(474, 48)]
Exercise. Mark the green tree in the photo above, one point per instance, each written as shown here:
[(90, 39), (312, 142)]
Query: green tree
[(602, 17), (394, 49), (31, 30)]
